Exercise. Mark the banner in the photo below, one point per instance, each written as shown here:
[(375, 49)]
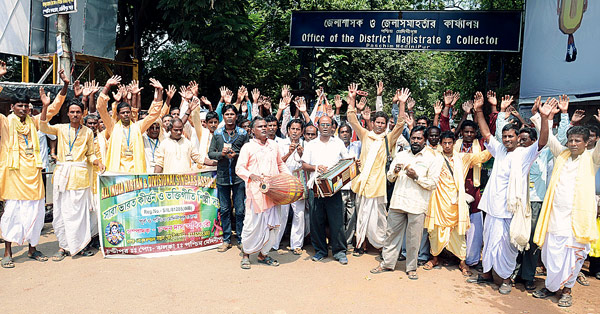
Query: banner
[(407, 30), (158, 214), (51, 7), (561, 48)]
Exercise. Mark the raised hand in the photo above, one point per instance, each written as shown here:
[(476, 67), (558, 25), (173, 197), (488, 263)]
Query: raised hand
[(300, 104), (193, 87), (563, 103), (467, 106), (379, 88), (330, 112), (205, 101), (255, 95), (362, 104), (352, 89), (267, 104), (283, 104), (45, 98), (455, 98), (597, 116), (287, 98), (285, 90), (77, 89), (506, 101), (448, 97), (135, 87), (223, 90), (437, 107), (404, 94), (186, 93), (410, 122), (478, 101), (367, 113), (117, 96), (410, 104), (454, 112), (536, 105), (113, 81), (2, 68), (87, 89), (158, 89), (491, 98), (396, 98), (193, 104), (548, 107), (240, 94), (123, 91), (338, 101), (228, 96), (171, 92), (64, 77), (577, 116)]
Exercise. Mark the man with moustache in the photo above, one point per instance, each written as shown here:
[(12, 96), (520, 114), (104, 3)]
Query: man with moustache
[(370, 185), (310, 133), (319, 155), (505, 196), (71, 181), (259, 159), (416, 173), (291, 150), (176, 153)]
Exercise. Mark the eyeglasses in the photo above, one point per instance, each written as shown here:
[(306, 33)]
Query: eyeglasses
[(311, 134), (325, 124)]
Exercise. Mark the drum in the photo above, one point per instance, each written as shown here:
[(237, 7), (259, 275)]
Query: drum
[(282, 189)]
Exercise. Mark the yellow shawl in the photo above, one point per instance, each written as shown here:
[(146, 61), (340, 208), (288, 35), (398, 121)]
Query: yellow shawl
[(16, 129), (463, 208), (583, 216), (477, 167), (113, 154)]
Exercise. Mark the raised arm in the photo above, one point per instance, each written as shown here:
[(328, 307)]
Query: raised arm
[(379, 98), (545, 111), (437, 110), (478, 108), (155, 108), (351, 113), (103, 103)]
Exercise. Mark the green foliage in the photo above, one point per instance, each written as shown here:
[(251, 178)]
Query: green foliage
[(237, 42)]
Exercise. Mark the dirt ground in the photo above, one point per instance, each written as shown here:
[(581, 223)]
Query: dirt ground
[(213, 282)]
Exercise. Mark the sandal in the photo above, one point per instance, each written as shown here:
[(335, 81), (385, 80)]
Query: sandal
[(466, 272), (530, 285), (412, 275), (7, 262), (582, 279), (268, 261), (86, 253), (379, 270), (543, 293), (480, 279), (245, 263), (566, 300), (297, 251), (429, 266), (38, 256), (59, 256), (358, 252)]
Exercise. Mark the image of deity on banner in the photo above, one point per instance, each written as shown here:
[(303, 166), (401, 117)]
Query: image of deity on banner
[(115, 233)]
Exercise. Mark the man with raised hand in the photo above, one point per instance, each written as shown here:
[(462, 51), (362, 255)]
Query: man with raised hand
[(21, 174), (125, 147), (370, 185), (567, 223), (72, 183), (505, 197)]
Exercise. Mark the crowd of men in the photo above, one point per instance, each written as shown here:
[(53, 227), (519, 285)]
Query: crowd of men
[(419, 197)]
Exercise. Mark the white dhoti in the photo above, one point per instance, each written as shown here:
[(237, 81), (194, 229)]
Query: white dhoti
[(72, 219), (372, 220), (297, 231), (260, 230), (498, 253), (94, 215), (23, 221), (563, 258)]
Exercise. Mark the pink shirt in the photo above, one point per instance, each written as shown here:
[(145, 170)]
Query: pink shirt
[(263, 160)]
